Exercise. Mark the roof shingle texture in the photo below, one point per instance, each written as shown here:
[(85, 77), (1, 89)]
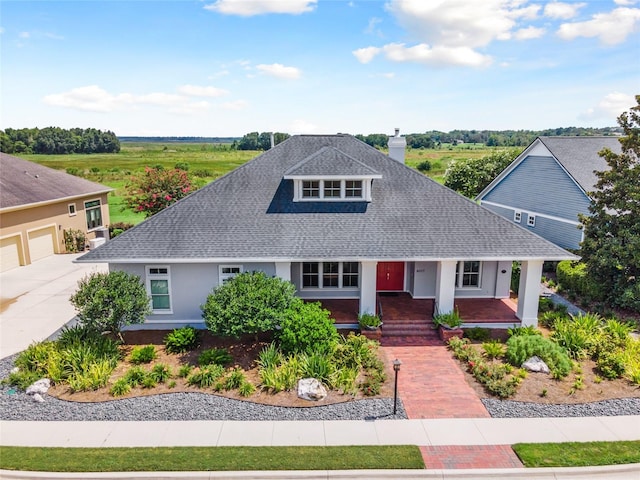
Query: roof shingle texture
[(25, 183), (579, 156), (249, 214)]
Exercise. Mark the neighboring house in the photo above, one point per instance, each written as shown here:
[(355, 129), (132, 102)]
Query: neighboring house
[(547, 186), (37, 204), (340, 220)]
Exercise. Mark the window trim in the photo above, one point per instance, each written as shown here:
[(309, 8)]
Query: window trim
[(98, 207), (517, 216), (531, 220), (321, 276), (71, 208), (159, 276), (222, 277), (299, 189), (460, 275)]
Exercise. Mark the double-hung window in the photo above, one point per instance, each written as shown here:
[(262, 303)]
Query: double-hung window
[(159, 288), (227, 272), (353, 188), (531, 221), (311, 189), (332, 188), (330, 275), (94, 214), (517, 216), (468, 274)]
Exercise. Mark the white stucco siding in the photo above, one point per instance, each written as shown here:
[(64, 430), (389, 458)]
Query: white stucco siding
[(424, 279)]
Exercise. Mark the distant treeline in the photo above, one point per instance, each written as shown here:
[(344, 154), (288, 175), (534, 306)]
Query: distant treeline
[(55, 140), (490, 138), (179, 139)]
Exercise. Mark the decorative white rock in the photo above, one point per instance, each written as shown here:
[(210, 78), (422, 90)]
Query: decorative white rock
[(39, 387), (535, 364), (37, 398), (311, 389)]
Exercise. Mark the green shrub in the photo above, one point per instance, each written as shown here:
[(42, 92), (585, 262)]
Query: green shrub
[(424, 166), (522, 347), (345, 379), (578, 335), (120, 387), (573, 276), (549, 319), (74, 240), (23, 378), (218, 356), (354, 351), (545, 305), (93, 376), (493, 349), (135, 376), (117, 228), (246, 389), (270, 357), (143, 354), (449, 320), (369, 320), (235, 379), (477, 334), (181, 340), (611, 364), (160, 373), (249, 303), (528, 330), (149, 382), (317, 365), (206, 377), (185, 370), (306, 327)]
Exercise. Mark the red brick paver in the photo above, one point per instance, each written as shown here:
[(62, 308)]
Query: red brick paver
[(470, 456), (432, 385)]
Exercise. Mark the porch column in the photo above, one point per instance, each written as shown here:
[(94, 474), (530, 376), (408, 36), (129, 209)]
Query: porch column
[(368, 287), (529, 292), (445, 285), (283, 270)]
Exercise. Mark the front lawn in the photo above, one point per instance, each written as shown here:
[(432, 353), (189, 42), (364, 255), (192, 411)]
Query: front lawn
[(185, 459), (578, 454)]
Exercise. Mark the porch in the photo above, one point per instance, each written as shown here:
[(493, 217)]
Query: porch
[(406, 316)]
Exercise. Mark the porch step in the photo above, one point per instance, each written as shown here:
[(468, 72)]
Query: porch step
[(408, 328)]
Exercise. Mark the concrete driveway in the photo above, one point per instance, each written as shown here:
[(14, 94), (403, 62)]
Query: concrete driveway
[(34, 300)]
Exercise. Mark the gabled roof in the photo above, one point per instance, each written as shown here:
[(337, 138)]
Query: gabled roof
[(24, 184), (329, 161), (577, 155), (249, 215)]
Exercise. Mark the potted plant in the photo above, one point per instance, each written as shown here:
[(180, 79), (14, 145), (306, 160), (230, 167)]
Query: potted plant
[(449, 325), (370, 325)]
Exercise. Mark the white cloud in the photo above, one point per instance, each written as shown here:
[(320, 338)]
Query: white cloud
[(300, 126), (625, 3), (93, 98), (561, 10), (248, 8), (280, 71), (24, 35), (611, 106), (235, 105), (199, 91), (425, 54), (529, 33), (611, 28), (372, 26)]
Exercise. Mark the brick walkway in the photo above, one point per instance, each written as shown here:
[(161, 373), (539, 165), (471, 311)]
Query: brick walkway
[(470, 456), (431, 384)]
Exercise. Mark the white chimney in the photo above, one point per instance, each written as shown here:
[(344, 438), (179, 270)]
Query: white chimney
[(273, 141), (397, 146)]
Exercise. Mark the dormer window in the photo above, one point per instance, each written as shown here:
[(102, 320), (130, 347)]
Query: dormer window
[(331, 175)]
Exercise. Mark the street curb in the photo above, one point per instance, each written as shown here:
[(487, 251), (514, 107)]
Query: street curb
[(628, 471)]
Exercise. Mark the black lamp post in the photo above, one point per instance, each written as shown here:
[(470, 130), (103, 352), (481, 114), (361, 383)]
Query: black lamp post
[(396, 369)]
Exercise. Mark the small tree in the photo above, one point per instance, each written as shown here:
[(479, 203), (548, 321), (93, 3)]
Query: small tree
[(470, 176), (156, 189), (306, 327), (611, 246), (249, 303), (109, 301)]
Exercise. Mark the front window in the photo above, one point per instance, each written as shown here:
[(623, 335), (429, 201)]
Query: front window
[(517, 216), (72, 209), (94, 214), (311, 189), (353, 189), (158, 286), (227, 272), (468, 274), (531, 221), (330, 274)]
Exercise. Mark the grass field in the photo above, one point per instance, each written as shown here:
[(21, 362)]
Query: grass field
[(206, 162), (186, 459)]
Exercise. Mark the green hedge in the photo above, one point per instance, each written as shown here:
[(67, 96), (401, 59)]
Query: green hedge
[(573, 276)]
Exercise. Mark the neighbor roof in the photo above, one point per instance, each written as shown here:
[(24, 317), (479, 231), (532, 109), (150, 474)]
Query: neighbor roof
[(249, 215), (579, 156), (25, 183)]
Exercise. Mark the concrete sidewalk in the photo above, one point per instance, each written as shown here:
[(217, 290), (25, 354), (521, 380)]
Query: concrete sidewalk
[(460, 431), (35, 300)]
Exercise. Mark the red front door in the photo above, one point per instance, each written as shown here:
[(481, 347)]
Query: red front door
[(390, 276)]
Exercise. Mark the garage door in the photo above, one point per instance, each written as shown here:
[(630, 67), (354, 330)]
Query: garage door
[(41, 243), (9, 253)]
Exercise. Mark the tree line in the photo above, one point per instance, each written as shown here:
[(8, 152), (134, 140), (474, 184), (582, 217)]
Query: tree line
[(55, 140), (490, 138)]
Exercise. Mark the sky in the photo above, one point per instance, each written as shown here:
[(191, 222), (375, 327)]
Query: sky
[(230, 67)]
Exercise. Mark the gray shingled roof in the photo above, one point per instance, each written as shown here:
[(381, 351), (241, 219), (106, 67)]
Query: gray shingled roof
[(330, 161), (25, 183), (579, 156), (249, 214)]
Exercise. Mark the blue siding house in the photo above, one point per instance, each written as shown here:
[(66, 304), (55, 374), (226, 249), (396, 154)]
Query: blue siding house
[(547, 186)]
